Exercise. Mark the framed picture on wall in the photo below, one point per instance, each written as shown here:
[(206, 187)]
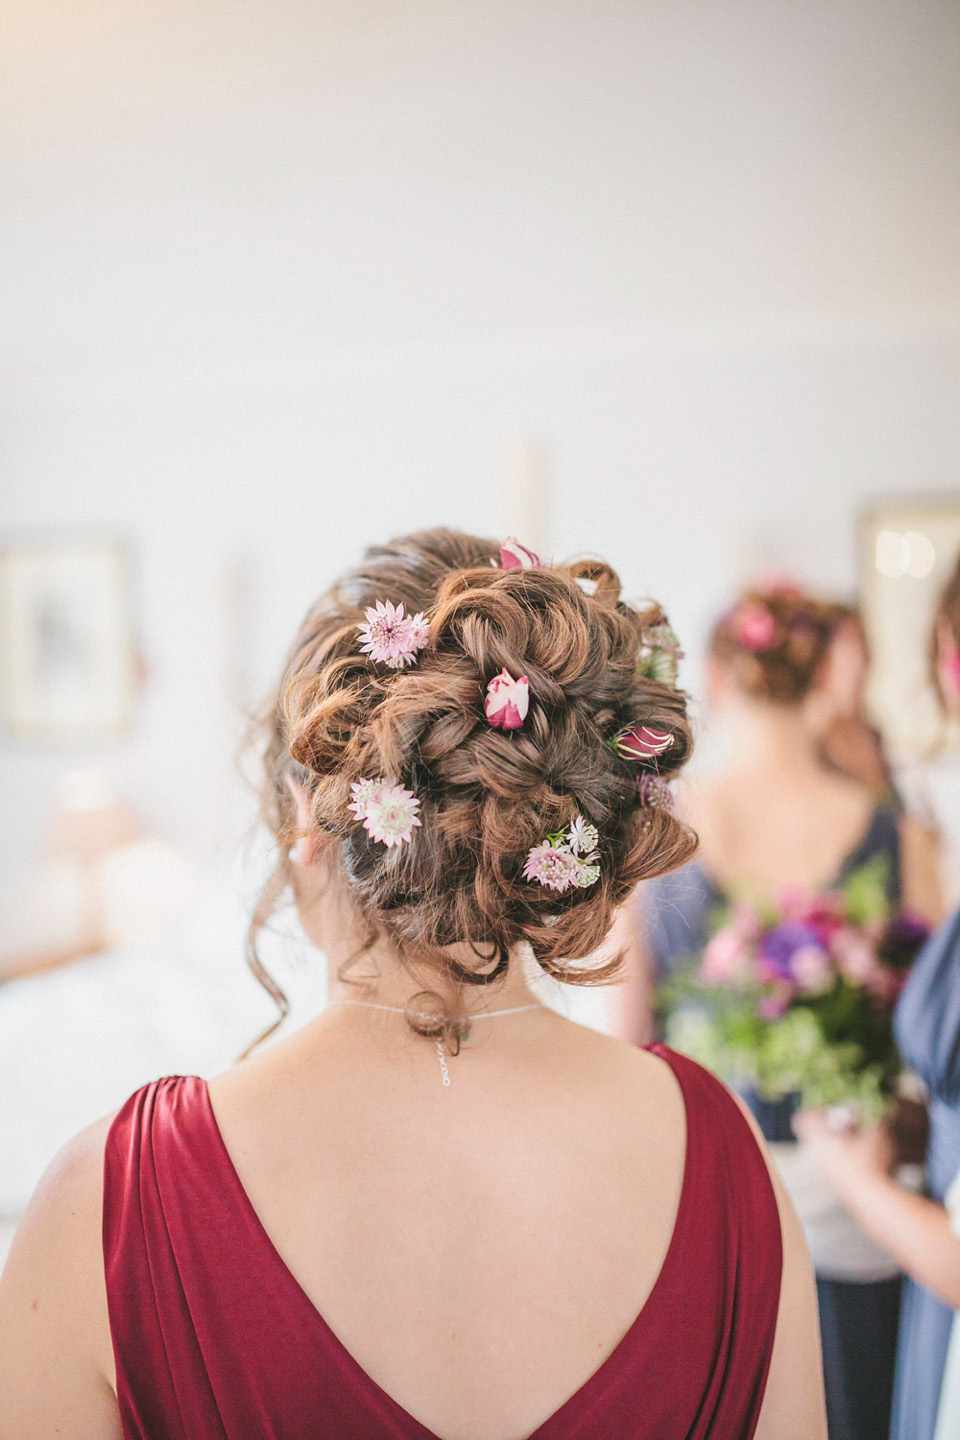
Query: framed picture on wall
[(67, 658), (908, 549)]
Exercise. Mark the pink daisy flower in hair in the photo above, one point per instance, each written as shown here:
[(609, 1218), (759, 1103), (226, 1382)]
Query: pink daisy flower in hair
[(392, 638), (388, 811), (507, 701), (555, 866)]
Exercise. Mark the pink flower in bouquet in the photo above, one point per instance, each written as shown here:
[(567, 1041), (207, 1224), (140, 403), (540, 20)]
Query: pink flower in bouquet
[(753, 626), (725, 957), (507, 701), (822, 911), (812, 969), (793, 901), (747, 920), (855, 956), (776, 1002)]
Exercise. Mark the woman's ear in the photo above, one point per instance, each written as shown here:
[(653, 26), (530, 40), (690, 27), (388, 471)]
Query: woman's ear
[(306, 847)]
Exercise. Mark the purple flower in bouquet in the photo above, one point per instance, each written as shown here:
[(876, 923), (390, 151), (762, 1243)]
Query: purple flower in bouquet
[(780, 944)]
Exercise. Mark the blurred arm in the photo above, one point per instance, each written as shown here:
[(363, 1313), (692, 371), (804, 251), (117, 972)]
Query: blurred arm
[(920, 861), (55, 1352), (914, 1230)]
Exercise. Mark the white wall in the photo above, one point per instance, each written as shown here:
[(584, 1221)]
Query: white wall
[(283, 278)]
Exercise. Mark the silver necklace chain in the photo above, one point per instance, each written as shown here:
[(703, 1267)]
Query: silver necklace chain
[(426, 1015)]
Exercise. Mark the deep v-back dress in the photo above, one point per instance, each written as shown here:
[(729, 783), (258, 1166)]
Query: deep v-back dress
[(858, 1320), (214, 1337)]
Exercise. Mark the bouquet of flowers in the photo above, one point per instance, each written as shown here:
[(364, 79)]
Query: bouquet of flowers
[(799, 1001)]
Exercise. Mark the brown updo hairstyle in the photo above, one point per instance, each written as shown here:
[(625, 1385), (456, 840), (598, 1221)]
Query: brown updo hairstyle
[(773, 641), (486, 795)]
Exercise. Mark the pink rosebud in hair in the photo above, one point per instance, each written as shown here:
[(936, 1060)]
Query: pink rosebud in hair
[(514, 556), (507, 701), (753, 627), (642, 742)]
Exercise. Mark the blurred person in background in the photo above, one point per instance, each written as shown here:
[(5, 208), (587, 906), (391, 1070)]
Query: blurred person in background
[(920, 1231), (785, 678), (849, 743), (441, 1208)]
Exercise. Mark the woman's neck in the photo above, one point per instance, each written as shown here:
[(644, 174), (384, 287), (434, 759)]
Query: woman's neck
[(382, 978), (774, 738)]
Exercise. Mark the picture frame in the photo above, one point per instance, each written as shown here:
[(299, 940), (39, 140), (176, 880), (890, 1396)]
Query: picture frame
[(67, 656), (908, 549)]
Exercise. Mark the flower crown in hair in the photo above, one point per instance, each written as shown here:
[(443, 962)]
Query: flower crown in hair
[(566, 858)]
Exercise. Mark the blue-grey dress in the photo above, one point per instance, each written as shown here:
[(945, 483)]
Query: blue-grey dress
[(858, 1321), (928, 1033)]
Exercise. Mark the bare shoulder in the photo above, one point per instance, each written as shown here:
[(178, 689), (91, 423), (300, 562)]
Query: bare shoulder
[(623, 1074), (55, 1352)]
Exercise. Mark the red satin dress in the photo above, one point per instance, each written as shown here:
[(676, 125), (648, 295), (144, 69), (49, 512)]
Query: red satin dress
[(215, 1339)]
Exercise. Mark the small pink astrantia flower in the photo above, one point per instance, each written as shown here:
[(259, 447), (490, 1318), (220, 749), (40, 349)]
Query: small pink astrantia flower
[(587, 874), (419, 630), (555, 866), (392, 638), (753, 626), (387, 810), (507, 701), (363, 791), (642, 742), (514, 556)]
